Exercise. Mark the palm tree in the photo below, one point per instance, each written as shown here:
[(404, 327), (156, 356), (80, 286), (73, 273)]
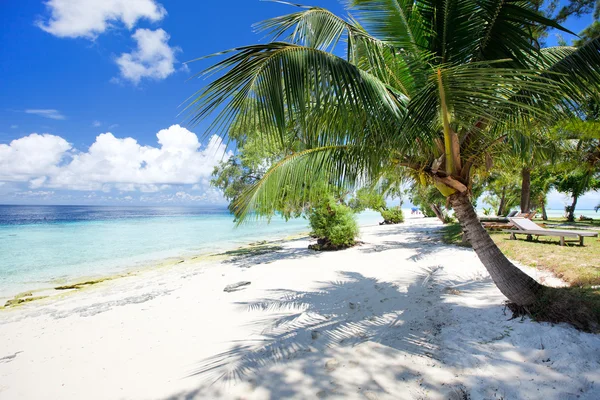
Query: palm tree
[(429, 86)]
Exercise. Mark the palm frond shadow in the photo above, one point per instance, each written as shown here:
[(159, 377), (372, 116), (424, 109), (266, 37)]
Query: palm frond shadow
[(346, 312), (250, 260), (422, 241)]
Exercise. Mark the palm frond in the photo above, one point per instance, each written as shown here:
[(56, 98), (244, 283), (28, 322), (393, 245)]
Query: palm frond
[(303, 177), (291, 82)]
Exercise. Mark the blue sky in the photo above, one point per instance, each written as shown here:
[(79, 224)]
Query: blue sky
[(72, 73)]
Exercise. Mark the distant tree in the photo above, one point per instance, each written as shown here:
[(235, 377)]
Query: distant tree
[(430, 201), (576, 183), (588, 34), (374, 198), (580, 170)]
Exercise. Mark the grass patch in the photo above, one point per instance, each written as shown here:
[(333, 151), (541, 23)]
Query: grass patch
[(576, 265), (563, 223), (452, 234), (579, 266)]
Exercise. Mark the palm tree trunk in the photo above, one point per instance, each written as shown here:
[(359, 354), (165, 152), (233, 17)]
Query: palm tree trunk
[(519, 287), (571, 213), (544, 213), (438, 213), (501, 205), (525, 190)]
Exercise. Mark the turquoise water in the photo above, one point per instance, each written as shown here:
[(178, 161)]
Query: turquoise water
[(43, 245), (49, 244)]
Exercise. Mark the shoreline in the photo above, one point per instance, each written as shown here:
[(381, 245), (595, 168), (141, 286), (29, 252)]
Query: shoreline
[(61, 287), (91, 268), (400, 316)]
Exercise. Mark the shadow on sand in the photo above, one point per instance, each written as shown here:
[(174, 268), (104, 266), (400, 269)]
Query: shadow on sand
[(395, 319), (360, 337)]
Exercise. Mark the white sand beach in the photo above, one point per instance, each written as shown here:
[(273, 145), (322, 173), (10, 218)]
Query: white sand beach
[(401, 316)]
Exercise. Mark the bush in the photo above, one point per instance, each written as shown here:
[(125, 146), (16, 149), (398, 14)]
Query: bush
[(392, 215), (333, 225)]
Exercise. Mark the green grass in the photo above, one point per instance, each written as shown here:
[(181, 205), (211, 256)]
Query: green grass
[(579, 266), (452, 234)]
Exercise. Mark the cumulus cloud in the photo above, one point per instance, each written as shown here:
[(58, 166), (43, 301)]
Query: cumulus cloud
[(48, 161), (46, 113), (89, 18), (32, 156), (153, 57)]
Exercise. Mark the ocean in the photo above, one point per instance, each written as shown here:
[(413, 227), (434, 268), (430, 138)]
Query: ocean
[(41, 246)]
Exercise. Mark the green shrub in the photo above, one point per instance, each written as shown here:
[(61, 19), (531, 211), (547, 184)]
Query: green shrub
[(392, 215), (333, 225)]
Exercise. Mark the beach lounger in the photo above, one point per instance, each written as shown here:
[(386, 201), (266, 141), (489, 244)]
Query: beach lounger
[(527, 227), (504, 222), (498, 219)]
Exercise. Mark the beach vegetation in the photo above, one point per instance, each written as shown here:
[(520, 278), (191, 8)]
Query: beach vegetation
[(369, 198), (333, 225), (434, 89), (430, 201), (392, 215)]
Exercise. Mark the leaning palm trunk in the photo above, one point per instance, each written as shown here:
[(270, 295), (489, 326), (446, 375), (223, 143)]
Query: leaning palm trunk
[(438, 213), (516, 285), (436, 89)]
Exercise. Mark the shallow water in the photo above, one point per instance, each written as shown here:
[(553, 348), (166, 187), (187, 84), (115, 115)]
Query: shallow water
[(41, 245), (44, 245)]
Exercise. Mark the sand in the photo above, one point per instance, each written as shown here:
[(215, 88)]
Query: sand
[(400, 317)]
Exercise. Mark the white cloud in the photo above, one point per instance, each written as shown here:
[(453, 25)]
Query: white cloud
[(153, 58), (31, 193), (210, 195), (96, 124), (32, 156), (121, 163), (14, 126), (46, 113), (89, 18)]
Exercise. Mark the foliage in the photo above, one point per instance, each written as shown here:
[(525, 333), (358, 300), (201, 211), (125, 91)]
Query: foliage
[(576, 182), (433, 87), (588, 34), (429, 200), (471, 83), (333, 224), (366, 198), (503, 191), (392, 215)]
